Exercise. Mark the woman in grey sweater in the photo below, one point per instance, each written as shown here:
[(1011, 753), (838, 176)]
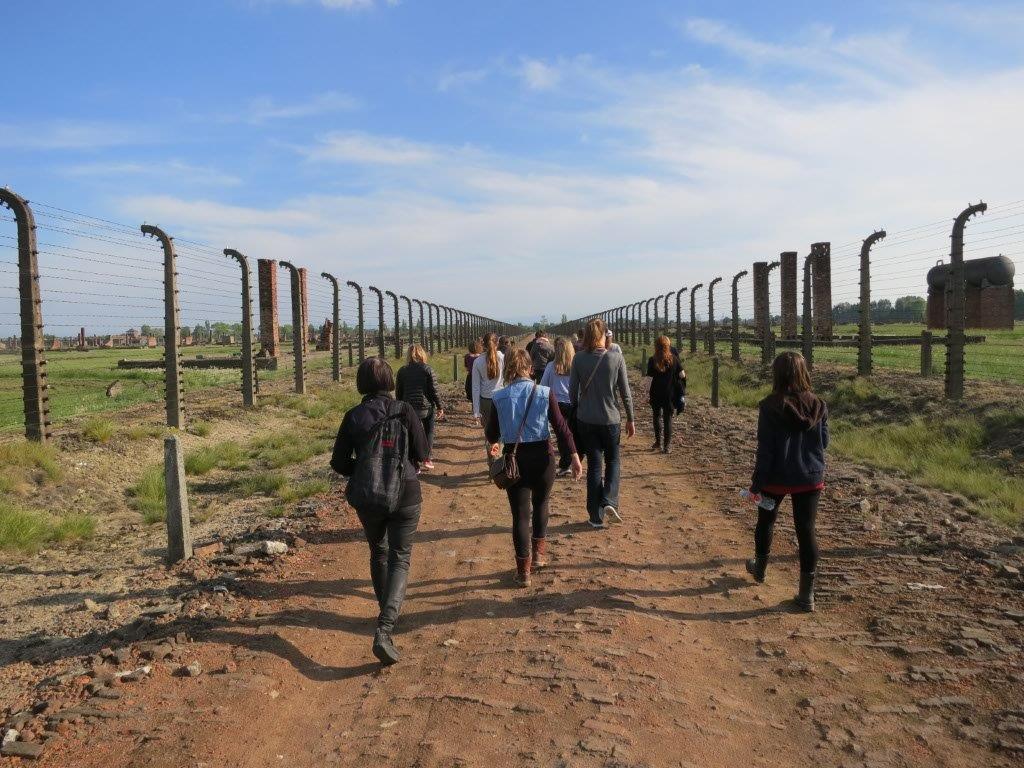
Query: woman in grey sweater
[(595, 376)]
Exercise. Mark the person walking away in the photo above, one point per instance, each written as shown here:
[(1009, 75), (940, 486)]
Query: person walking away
[(595, 376), (541, 352), (792, 436), (609, 344), (577, 340), (524, 412), (487, 378), (664, 369), (556, 378), (416, 384), (382, 439), (472, 353)]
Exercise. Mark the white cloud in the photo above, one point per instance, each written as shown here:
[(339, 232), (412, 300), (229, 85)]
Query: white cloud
[(170, 169), (70, 134), (366, 149), (333, 5), (264, 109), (538, 76), (455, 79)]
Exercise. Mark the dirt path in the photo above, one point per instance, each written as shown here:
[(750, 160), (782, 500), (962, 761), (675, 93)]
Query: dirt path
[(645, 644)]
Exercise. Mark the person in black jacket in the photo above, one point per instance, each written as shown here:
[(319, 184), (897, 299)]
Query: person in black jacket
[(389, 535), (792, 435), (417, 385), (664, 370)]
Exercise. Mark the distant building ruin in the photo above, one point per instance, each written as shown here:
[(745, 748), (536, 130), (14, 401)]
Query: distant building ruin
[(989, 293)]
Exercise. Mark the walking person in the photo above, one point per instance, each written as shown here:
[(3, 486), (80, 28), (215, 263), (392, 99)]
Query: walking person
[(472, 353), (664, 370), (541, 351), (487, 378), (556, 378), (595, 376), (416, 384), (379, 445), (524, 412), (792, 435)]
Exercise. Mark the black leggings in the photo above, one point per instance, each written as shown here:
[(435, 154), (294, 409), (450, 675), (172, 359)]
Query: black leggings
[(564, 455), (662, 421), (805, 511), (529, 497)]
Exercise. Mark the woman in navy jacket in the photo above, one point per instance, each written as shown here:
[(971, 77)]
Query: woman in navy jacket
[(792, 435)]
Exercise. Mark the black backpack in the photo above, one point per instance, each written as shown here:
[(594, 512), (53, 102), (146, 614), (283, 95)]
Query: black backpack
[(378, 481)]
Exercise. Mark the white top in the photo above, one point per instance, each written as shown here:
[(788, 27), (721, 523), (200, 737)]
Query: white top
[(482, 386)]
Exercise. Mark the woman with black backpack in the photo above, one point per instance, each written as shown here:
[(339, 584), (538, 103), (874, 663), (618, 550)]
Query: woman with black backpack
[(416, 384), (379, 445)]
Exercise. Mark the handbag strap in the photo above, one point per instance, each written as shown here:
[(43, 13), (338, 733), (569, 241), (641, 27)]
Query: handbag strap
[(522, 424), (593, 373)]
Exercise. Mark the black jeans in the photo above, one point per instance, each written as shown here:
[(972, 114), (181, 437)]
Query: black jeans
[(805, 512), (390, 540), (428, 430), (529, 497), (564, 455), (662, 422)]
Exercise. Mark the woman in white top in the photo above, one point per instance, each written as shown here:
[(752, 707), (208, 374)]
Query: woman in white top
[(487, 377), (556, 376)]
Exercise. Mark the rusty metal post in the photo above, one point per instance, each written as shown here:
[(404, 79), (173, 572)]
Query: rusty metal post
[(679, 317), (711, 316), (362, 333), (398, 327), (864, 331), (956, 304), (736, 314), (807, 331), (298, 328), (693, 317), (336, 331), (173, 391), (381, 348), (926, 353), (248, 364), (35, 390)]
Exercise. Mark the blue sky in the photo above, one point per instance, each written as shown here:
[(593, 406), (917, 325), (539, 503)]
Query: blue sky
[(516, 158)]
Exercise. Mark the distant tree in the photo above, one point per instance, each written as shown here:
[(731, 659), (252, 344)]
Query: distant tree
[(565, 319)]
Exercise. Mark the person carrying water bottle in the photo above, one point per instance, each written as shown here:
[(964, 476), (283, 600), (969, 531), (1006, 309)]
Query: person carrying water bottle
[(792, 435)]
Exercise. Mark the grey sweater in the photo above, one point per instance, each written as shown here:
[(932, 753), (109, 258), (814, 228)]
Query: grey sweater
[(597, 405)]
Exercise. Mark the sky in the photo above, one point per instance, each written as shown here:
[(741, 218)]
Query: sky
[(520, 159)]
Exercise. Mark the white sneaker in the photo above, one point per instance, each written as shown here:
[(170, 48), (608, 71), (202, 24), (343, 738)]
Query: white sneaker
[(610, 510), (428, 465)]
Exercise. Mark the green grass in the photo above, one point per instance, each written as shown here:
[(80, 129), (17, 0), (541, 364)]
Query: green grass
[(145, 432), (200, 428), (98, 430), (149, 496), (25, 462), (286, 448), (293, 492), (23, 530), (266, 483), (226, 455), (938, 454)]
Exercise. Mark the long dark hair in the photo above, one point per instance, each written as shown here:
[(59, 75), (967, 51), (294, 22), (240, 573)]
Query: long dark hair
[(790, 375)]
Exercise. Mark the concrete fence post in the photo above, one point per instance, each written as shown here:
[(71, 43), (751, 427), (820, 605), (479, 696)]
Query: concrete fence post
[(173, 392), (736, 315), (956, 305), (714, 381), (693, 317), (298, 329), (807, 331), (864, 330), (423, 331), (711, 315), (381, 346), (408, 306), (767, 343), (336, 330), (926, 353), (430, 327), (679, 317), (398, 325), (361, 327), (248, 364), (179, 525), (35, 390)]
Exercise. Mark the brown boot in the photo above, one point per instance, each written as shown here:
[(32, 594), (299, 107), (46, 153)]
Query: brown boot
[(540, 551), (522, 571)]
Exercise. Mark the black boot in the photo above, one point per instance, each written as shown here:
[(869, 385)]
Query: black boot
[(384, 648), (379, 577), (757, 567), (804, 599)]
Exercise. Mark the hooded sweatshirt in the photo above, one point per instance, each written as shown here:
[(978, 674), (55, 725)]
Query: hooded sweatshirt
[(792, 435)]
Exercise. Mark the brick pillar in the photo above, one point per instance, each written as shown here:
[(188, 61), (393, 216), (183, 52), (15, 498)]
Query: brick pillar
[(821, 289), (270, 333), (760, 297), (304, 288), (787, 279)]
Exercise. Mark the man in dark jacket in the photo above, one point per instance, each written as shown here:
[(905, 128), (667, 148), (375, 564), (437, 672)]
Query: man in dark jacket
[(542, 352)]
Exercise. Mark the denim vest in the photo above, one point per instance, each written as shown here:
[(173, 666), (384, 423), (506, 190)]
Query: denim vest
[(510, 403)]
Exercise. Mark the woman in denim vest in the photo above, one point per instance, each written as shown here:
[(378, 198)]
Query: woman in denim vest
[(522, 413)]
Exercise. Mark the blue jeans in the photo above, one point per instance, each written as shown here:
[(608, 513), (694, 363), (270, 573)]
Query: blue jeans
[(602, 445)]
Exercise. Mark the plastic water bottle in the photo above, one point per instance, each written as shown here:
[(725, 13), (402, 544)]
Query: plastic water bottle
[(762, 501)]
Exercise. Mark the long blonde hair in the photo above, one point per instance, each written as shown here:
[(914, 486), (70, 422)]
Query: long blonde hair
[(491, 352), (564, 353), (417, 354)]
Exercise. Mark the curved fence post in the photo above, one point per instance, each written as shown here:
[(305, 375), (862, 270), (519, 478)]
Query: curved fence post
[(336, 330), (381, 349), (248, 365), (398, 326), (408, 305), (864, 340), (172, 323), (768, 337), (362, 332), (736, 315), (711, 315), (298, 327), (35, 390), (693, 317), (423, 331), (679, 316), (956, 305)]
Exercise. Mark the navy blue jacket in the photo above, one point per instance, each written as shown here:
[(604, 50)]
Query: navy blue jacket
[(792, 435)]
